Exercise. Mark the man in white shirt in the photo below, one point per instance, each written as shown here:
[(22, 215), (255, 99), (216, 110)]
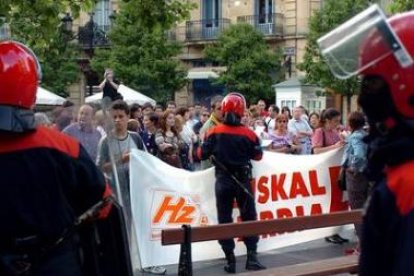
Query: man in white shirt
[(301, 130)]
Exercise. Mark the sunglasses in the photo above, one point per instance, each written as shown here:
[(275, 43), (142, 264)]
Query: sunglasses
[(282, 122)]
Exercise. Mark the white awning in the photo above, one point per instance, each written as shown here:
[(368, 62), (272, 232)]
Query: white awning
[(45, 97), (130, 96)]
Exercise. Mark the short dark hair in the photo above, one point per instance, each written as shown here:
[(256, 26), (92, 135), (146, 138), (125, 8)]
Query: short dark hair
[(215, 100), (134, 107), (153, 117), (146, 105), (181, 111), (159, 106), (356, 120), (170, 103), (120, 105)]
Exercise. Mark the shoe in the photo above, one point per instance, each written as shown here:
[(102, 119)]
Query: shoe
[(252, 263), (230, 267), (336, 239), (156, 270)]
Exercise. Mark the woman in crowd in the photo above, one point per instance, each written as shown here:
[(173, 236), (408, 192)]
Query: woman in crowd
[(150, 122), (286, 110), (314, 120), (354, 162), (282, 140), (186, 138), (168, 140), (327, 136)]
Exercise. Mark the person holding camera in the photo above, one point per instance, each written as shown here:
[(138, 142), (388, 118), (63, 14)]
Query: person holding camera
[(110, 86)]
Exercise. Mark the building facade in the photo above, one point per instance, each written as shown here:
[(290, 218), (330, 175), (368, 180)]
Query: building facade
[(284, 23)]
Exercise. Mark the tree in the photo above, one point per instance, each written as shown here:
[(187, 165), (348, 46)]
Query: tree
[(140, 53), (330, 16), (397, 6), (37, 24), (251, 67)]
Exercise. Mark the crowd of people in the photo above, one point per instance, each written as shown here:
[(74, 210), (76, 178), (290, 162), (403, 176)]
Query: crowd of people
[(175, 134)]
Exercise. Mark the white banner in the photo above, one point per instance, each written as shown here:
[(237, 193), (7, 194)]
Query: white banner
[(285, 186)]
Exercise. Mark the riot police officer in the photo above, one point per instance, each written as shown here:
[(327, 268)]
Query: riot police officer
[(231, 146), (47, 178), (384, 56)]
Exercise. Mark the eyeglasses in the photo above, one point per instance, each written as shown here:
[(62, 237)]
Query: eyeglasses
[(282, 122), (218, 108), (206, 115)]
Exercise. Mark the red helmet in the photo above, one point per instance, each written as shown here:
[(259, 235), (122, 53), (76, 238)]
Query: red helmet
[(20, 74), (400, 80), (235, 103)]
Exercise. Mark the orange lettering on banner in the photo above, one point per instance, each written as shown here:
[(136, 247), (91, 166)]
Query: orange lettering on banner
[(315, 188), (277, 187), (179, 212), (298, 186)]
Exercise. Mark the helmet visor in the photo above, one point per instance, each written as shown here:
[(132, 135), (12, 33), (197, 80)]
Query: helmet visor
[(341, 47)]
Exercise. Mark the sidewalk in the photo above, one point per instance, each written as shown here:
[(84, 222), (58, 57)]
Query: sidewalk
[(305, 252)]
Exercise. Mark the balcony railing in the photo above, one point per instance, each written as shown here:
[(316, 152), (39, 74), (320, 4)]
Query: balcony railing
[(206, 29), (270, 24), (93, 36)]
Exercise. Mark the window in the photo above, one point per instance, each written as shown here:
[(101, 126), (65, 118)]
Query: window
[(211, 12), (101, 14), (265, 10)]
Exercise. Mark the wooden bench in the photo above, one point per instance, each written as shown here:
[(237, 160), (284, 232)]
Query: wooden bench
[(186, 235)]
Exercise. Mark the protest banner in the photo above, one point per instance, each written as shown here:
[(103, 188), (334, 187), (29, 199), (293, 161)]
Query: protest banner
[(165, 197)]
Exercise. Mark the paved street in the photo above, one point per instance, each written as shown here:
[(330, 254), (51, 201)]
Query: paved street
[(305, 252)]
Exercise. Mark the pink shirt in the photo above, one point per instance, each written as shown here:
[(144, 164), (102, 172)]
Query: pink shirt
[(331, 137)]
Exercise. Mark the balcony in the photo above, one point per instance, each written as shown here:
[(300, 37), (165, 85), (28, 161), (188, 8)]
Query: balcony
[(93, 36), (207, 29), (270, 24)]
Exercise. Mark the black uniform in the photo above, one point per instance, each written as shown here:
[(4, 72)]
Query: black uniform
[(388, 230), (48, 180), (233, 147)]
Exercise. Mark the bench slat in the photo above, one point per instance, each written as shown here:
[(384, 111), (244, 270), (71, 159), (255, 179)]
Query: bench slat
[(332, 266), (250, 228)]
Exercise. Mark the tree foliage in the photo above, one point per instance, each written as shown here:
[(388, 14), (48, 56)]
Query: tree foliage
[(330, 16), (252, 67), (37, 24), (140, 54), (397, 6)]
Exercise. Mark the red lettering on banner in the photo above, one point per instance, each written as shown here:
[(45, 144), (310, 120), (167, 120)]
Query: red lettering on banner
[(298, 186), (262, 189), (283, 213), (277, 187), (315, 188), (300, 212), (337, 203), (316, 209)]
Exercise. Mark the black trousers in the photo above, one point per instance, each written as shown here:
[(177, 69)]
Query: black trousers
[(226, 191), (63, 261)]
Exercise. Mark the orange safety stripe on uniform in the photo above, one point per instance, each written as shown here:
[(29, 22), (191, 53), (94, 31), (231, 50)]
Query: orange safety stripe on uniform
[(41, 138), (234, 130), (400, 180)]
